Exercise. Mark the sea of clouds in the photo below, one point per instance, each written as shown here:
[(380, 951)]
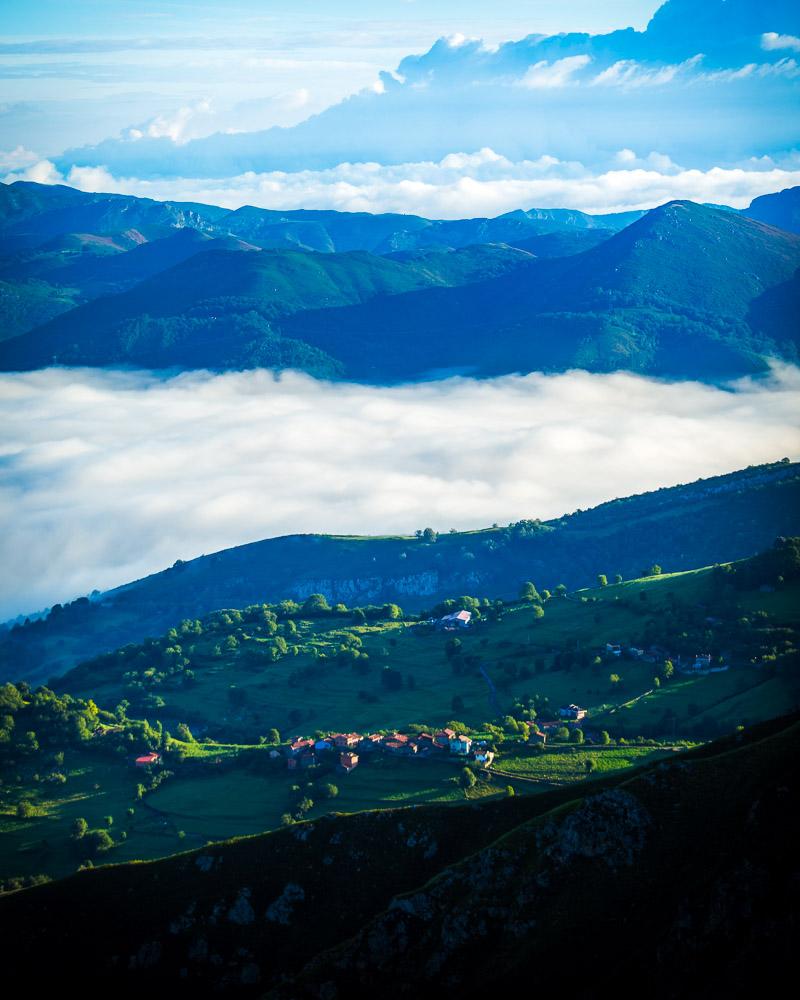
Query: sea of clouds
[(106, 476)]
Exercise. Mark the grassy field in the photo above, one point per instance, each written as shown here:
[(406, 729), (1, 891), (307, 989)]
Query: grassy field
[(568, 765), (298, 694), (190, 809)]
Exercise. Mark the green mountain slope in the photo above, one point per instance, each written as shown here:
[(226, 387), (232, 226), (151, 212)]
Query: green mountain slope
[(633, 876), (221, 308), (714, 520), (684, 292)]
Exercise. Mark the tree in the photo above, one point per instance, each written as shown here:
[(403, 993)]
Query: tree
[(78, 828), (667, 670), (359, 617), (618, 578), (184, 733), (589, 764), (98, 841), (25, 810), (561, 590), (656, 682), (108, 820), (273, 736), (393, 612), (576, 736), (529, 593), (602, 579), (538, 611), (330, 791), (562, 733), (468, 779), (305, 805), (452, 647), (428, 535), (615, 680), (510, 791), (605, 739), (315, 604)]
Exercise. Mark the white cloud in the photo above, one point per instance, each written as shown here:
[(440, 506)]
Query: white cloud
[(629, 73), (771, 41), (18, 158), (459, 185), (546, 75), (106, 476)]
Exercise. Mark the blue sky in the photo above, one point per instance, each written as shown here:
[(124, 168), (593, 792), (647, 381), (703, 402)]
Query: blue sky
[(428, 106), (77, 72)]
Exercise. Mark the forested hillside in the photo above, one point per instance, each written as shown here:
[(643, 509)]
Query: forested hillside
[(683, 291), (714, 520)]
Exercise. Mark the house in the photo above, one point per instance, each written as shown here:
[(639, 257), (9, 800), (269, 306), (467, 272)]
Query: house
[(307, 759), (573, 713), (537, 738), (635, 652), (443, 737), (348, 761), (460, 745), (483, 756), (459, 619), (346, 740), (614, 649), (702, 661), (147, 759), (321, 746), (370, 742), (299, 745)]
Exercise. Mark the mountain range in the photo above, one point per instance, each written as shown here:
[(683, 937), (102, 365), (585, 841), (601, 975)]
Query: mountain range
[(683, 290)]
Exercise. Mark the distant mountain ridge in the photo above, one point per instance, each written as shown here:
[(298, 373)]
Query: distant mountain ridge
[(683, 291)]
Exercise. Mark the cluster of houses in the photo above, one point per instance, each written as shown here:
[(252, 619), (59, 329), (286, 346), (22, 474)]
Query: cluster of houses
[(700, 663), (350, 747)]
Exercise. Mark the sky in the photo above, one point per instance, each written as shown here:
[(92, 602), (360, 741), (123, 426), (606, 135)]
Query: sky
[(283, 104), (256, 63), (108, 476)]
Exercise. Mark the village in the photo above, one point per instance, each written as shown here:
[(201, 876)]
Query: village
[(345, 751)]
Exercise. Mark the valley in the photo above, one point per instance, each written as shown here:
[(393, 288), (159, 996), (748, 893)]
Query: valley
[(227, 696)]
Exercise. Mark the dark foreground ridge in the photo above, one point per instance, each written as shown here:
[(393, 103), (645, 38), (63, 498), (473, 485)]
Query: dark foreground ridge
[(678, 881)]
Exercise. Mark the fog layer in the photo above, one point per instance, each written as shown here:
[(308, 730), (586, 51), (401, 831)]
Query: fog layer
[(107, 476)]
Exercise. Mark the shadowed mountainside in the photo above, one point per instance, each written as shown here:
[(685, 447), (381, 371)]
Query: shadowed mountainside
[(632, 875)]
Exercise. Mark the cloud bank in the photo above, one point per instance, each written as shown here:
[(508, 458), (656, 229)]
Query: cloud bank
[(459, 185), (106, 476)]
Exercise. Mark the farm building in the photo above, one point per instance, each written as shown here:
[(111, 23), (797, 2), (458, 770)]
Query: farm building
[(147, 759), (460, 745), (459, 619), (573, 713), (348, 761)]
